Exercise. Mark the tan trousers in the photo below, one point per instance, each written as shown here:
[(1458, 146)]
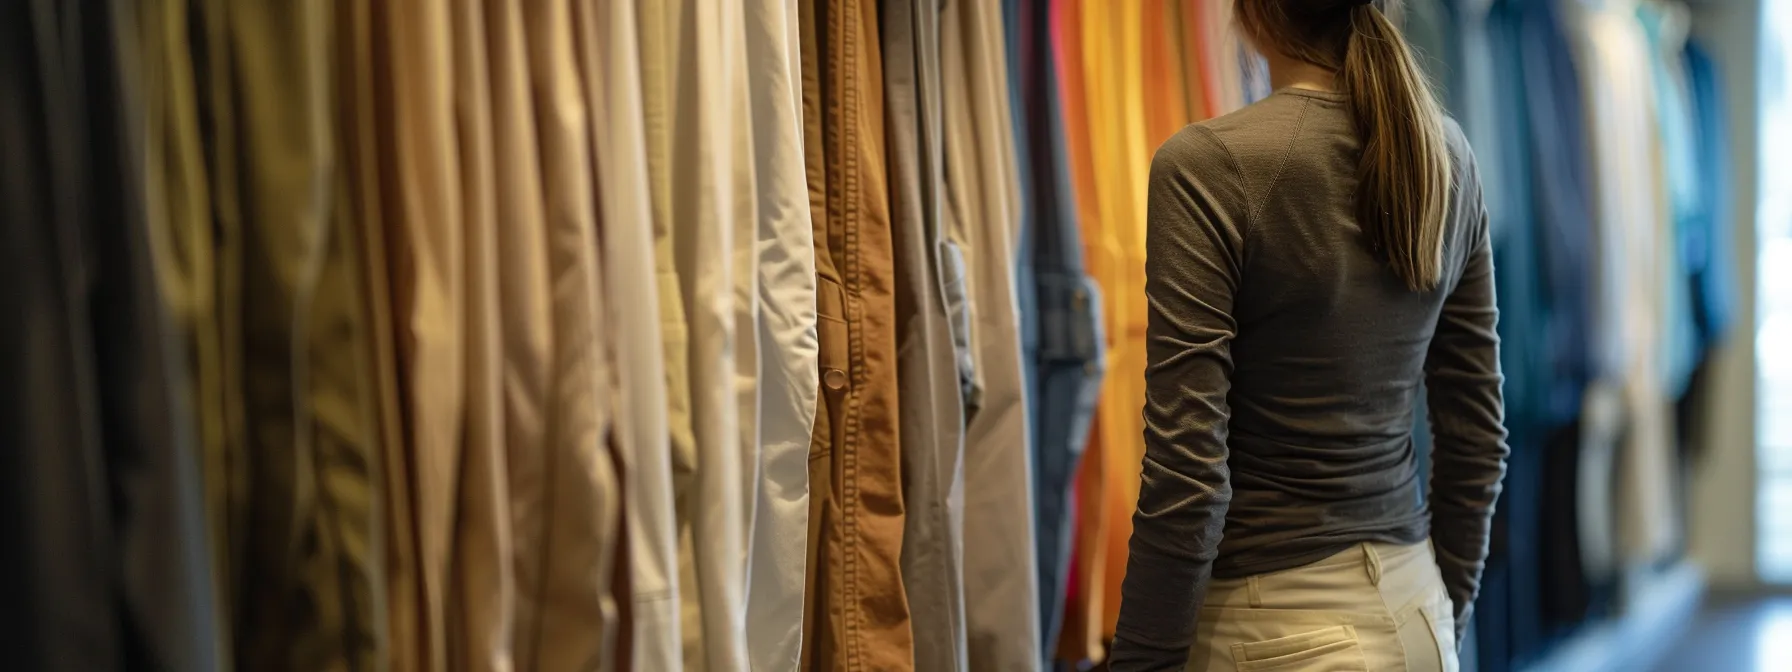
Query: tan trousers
[(1370, 607), (857, 617)]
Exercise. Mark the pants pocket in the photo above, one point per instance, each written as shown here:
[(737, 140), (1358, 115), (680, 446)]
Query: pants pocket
[(1429, 636), (834, 366), (1333, 649)]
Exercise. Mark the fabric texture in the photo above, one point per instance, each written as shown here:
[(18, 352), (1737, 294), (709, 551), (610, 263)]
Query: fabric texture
[(609, 41), (689, 52), (1061, 309), (363, 118), (109, 566), (1001, 590), (569, 621), (1080, 636), (482, 629), (790, 382), (858, 613), (426, 255), (932, 413), (298, 458)]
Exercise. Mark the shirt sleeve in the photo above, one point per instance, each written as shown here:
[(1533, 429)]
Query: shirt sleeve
[(1462, 374), (1194, 255)]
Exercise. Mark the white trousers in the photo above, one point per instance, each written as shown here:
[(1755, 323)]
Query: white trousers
[(1371, 607)]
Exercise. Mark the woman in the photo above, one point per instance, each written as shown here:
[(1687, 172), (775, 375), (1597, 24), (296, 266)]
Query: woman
[(1312, 258)]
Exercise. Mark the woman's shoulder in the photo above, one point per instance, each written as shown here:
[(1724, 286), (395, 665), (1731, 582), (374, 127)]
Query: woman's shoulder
[(1461, 154), (1464, 171)]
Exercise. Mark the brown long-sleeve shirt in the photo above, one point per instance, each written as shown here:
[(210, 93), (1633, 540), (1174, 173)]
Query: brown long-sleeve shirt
[(1285, 361)]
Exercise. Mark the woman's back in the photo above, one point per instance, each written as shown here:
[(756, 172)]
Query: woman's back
[(1330, 346), (1286, 359)]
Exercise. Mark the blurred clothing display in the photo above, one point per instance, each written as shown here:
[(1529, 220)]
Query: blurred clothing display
[(651, 335), (1580, 118), (1061, 308)]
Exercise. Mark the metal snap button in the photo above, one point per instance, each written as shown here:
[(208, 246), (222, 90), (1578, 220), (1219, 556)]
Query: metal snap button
[(834, 378)]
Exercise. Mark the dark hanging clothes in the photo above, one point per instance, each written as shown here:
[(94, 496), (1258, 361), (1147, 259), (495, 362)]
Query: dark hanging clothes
[(107, 569)]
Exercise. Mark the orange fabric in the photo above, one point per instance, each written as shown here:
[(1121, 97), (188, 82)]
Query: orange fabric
[(1166, 103), (1207, 28), (1191, 25), (1113, 79), (1183, 48)]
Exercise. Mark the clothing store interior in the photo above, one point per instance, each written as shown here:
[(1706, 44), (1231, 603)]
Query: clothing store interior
[(775, 335)]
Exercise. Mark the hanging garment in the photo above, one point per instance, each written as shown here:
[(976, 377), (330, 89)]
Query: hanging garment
[(660, 42), (1224, 72), (482, 629), (1524, 312), (858, 615), (1713, 247), (1681, 197), (526, 296), (1190, 36), (689, 55), (1116, 121), (399, 606), (1063, 316), (744, 263), (1079, 638), (728, 471), (927, 268), (1026, 296), (1161, 75), (1558, 145), (178, 209), (1430, 28), (1630, 231), (1560, 179), (1001, 591), (790, 383), (1476, 101), (108, 566), (609, 42), (425, 252), (59, 564), (298, 458), (567, 614)]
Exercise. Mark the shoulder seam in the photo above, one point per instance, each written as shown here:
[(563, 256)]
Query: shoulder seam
[(1300, 124), (1250, 215)]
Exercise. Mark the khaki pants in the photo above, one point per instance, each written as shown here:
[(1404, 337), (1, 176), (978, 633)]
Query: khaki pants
[(1370, 607), (858, 615)]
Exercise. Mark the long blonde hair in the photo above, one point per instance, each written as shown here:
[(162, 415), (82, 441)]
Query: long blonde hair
[(1404, 176)]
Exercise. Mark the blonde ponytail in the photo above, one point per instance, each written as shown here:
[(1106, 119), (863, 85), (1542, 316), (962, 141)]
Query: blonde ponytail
[(1404, 177)]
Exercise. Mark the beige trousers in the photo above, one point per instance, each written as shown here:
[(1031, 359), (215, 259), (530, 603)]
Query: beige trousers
[(1375, 607)]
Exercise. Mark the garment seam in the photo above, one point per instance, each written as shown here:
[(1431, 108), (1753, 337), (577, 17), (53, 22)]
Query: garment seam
[(1250, 222), (1381, 593), (844, 23), (1275, 180)]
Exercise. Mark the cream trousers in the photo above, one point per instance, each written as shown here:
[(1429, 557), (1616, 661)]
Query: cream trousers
[(1371, 607)]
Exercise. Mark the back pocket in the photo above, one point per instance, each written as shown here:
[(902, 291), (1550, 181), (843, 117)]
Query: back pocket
[(1333, 649), (1428, 635)]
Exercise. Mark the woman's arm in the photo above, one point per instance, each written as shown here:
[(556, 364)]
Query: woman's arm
[(1194, 254), (1462, 373)]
